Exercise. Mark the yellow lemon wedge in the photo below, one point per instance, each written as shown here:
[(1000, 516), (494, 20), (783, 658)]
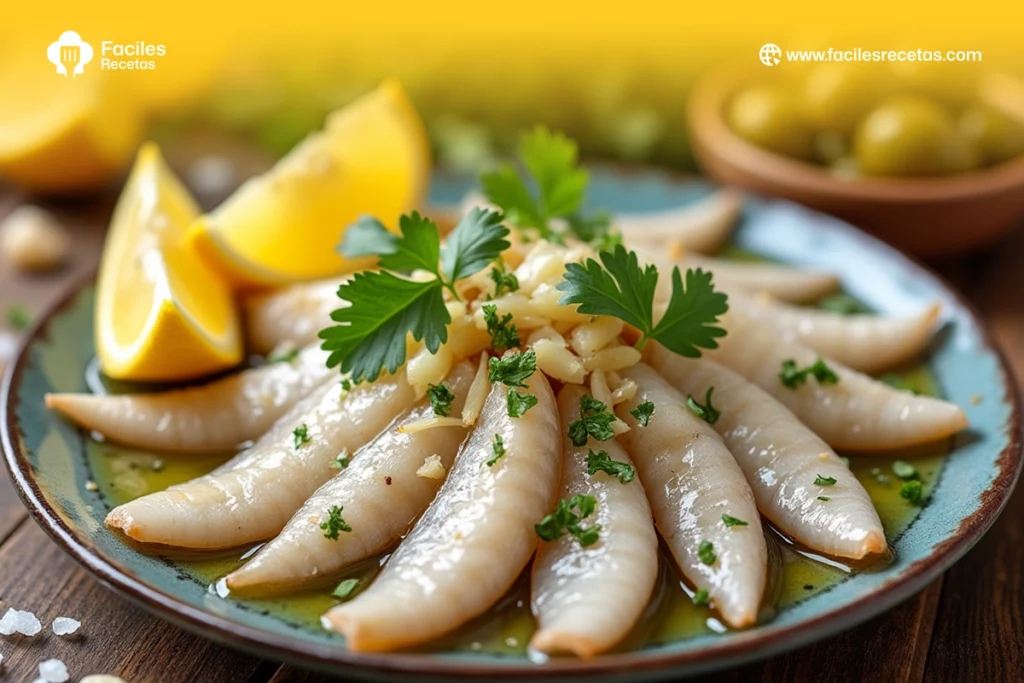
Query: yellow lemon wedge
[(372, 158), (61, 135), (162, 313)]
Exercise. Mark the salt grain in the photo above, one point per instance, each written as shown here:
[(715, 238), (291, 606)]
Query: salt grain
[(17, 621), (65, 626), (53, 671)]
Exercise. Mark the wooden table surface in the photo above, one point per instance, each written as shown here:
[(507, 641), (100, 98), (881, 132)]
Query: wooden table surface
[(966, 626)]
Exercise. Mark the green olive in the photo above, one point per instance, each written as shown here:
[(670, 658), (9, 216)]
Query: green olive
[(909, 135), (996, 136), (954, 84), (837, 96), (767, 116)]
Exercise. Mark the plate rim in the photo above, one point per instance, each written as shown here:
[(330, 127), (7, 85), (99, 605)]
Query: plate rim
[(742, 647)]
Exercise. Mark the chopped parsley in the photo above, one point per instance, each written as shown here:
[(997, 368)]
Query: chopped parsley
[(622, 289), (18, 317), (285, 355), (706, 412), (518, 403), (824, 498), (793, 377), (301, 435), (441, 398), (904, 470), (346, 589), (595, 421), (842, 303), (824, 481), (913, 491), (643, 413), (498, 447), (503, 282), (504, 334), (346, 384), (899, 382), (706, 553), (700, 598), (513, 369), (566, 519), (370, 334), (602, 462), (733, 521), (341, 462), (334, 523)]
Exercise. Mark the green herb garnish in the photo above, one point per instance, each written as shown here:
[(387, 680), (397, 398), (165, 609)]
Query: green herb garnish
[(824, 498), (566, 519), (341, 462), (700, 598), (504, 334), (346, 384), (824, 481), (286, 355), (518, 403), (441, 398), (602, 462), (595, 421), (706, 553), (334, 523), (370, 334), (733, 521), (898, 382), (840, 302), (503, 282), (706, 412), (346, 589), (913, 491), (301, 435), (643, 413), (793, 377), (513, 369), (904, 470), (498, 448), (622, 289), (18, 317)]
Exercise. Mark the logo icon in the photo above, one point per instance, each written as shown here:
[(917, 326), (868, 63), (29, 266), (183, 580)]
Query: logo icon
[(770, 54), (69, 54)]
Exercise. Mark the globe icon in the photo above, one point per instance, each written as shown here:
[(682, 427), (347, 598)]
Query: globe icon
[(770, 54)]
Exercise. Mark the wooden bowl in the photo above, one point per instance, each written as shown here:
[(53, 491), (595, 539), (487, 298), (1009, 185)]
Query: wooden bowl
[(930, 217)]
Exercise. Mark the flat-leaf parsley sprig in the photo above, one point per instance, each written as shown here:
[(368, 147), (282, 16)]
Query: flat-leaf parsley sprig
[(370, 333), (619, 287)]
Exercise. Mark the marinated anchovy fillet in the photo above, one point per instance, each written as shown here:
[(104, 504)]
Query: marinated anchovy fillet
[(380, 493), (691, 481), (210, 418), (586, 599), (292, 315), (864, 342), (252, 497), (849, 411), (473, 540), (702, 226), (799, 482)]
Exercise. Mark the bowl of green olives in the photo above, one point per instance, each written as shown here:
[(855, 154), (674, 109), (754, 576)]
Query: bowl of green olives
[(912, 153)]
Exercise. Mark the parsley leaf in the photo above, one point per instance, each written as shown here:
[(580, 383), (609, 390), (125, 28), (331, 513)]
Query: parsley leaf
[(499, 450), (551, 158), (706, 412), (595, 421), (504, 335), (418, 248), (706, 552), (512, 369), (621, 288), (824, 481), (372, 330), (792, 377), (518, 403), (602, 462), (566, 519), (729, 520), (334, 523), (504, 188), (346, 589), (701, 598), (503, 281), (912, 491), (824, 499), (441, 398), (643, 413), (341, 462), (478, 239), (301, 435)]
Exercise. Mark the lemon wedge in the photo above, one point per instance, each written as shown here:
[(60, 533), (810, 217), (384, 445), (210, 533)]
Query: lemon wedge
[(64, 136), (162, 313), (284, 226)]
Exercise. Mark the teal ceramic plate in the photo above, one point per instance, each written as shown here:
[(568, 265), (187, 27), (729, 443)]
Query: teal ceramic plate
[(50, 462)]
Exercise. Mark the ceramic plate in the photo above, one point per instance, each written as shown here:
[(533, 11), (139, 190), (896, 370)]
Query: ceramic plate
[(50, 462)]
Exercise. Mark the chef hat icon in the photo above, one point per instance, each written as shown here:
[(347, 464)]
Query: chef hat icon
[(77, 57)]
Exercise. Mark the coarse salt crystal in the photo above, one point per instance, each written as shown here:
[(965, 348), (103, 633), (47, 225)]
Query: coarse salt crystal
[(65, 626), (17, 621), (53, 671)]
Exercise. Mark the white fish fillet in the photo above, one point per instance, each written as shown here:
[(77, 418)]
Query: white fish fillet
[(381, 495), (703, 226), (292, 315), (781, 459), (211, 418), (857, 412), (587, 599), (474, 539), (796, 285), (864, 342), (252, 497), (692, 480)]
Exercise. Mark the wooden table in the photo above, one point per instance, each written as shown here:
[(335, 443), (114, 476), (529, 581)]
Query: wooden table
[(966, 626)]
